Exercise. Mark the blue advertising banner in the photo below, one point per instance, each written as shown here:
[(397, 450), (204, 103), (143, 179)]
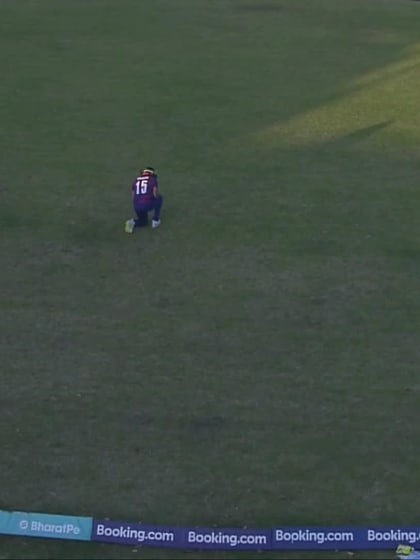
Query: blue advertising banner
[(122, 532), (45, 525), (211, 538), (225, 539), (279, 538), (343, 538)]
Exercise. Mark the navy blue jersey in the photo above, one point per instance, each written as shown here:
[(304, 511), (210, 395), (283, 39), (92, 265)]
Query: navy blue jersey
[(142, 188)]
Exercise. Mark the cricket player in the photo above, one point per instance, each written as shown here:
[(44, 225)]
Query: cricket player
[(146, 197)]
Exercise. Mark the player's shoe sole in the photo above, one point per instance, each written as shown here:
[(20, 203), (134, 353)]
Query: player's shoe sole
[(155, 223), (129, 226)]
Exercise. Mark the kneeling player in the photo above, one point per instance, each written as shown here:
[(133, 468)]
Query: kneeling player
[(146, 198)]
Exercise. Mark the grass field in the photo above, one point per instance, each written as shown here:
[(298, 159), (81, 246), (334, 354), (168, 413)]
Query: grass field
[(253, 362)]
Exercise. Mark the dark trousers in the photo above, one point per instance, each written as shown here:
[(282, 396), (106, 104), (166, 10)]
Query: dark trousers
[(143, 210)]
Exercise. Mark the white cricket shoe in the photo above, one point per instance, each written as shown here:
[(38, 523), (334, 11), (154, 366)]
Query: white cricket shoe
[(155, 223), (129, 226)]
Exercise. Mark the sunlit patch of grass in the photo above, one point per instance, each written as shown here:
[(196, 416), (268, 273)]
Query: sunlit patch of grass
[(378, 108)]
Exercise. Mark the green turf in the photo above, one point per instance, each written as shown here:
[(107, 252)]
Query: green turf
[(255, 360)]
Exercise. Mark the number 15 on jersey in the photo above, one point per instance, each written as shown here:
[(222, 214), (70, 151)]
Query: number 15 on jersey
[(141, 186)]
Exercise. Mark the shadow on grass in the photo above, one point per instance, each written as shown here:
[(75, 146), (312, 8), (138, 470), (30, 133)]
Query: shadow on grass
[(357, 136)]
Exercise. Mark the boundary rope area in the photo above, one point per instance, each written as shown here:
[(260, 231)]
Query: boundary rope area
[(312, 538)]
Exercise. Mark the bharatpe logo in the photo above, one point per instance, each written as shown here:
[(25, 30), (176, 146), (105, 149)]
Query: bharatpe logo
[(45, 525), (54, 528)]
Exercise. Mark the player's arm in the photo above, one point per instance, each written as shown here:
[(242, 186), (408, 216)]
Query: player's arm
[(155, 189), (133, 188)]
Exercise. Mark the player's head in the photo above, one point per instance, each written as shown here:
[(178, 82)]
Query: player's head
[(149, 169)]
